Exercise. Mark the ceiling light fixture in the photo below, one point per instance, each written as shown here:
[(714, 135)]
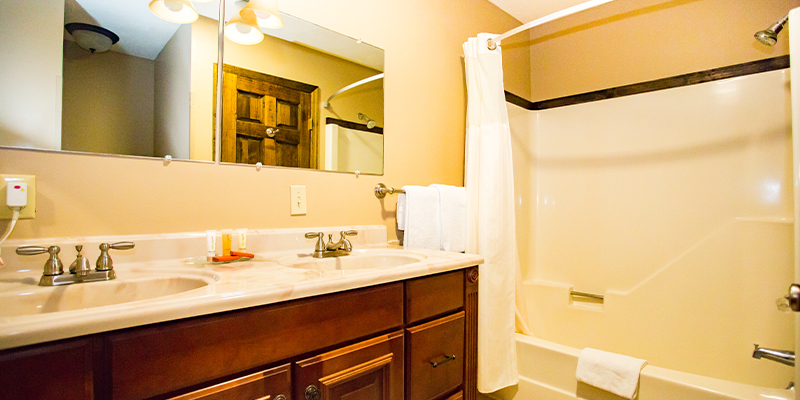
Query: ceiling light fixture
[(266, 13), (178, 11), (92, 37)]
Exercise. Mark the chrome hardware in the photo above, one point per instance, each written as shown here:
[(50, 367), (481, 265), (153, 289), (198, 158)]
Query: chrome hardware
[(312, 393), (341, 248), (785, 357), (53, 266), (272, 131), (791, 385), (319, 248), (80, 270), (446, 359), (381, 190), (584, 294), (80, 266), (280, 397), (794, 297), (104, 262)]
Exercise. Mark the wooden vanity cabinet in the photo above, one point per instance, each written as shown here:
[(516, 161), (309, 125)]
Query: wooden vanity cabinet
[(414, 340)]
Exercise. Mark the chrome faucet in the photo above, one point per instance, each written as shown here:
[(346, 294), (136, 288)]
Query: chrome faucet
[(341, 248), (80, 270), (785, 357)]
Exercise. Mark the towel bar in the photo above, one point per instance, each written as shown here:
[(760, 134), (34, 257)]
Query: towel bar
[(584, 294), (381, 190)]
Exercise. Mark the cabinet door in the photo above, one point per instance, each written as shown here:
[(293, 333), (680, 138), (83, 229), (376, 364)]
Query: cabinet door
[(369, 370), (62, 370), (435, 358), (272, 384)]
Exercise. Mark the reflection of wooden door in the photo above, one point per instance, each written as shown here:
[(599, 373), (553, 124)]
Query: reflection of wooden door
[(267, 119)]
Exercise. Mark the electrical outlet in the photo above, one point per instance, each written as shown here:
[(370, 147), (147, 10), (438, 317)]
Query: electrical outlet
[(298, 200), (29, 212)]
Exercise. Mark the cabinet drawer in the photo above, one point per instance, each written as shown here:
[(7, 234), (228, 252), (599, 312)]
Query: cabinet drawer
[(265, 385), (372, 370), (435, 357), (434, 295)]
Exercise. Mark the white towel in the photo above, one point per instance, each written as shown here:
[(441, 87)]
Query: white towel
[(401, 212), (453, 214), (611, 372), (422, 218)]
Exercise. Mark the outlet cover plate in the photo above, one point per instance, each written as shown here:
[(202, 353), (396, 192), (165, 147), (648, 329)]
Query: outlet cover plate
[(29, 212), (297, 200)]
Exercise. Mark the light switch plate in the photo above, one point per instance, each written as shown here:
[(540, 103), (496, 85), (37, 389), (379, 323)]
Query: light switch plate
[(29, 212), (298, 200)]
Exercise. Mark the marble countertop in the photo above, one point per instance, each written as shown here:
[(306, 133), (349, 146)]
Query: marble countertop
[(268, 279)]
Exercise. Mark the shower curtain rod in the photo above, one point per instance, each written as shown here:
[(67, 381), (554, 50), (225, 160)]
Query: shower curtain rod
[(327, 103), (492, 43)]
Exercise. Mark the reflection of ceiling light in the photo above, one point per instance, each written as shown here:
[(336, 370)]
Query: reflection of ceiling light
[(178, 11), (243, 32), (266, 13), (91, 37)]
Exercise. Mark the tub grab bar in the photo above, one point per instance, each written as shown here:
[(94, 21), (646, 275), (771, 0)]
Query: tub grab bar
[(584, 294)]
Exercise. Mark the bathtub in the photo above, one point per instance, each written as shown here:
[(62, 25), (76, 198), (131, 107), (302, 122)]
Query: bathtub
[(547, 372)]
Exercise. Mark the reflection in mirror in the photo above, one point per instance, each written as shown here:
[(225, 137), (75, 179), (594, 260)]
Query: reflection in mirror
[(104, 76), (275, 86)]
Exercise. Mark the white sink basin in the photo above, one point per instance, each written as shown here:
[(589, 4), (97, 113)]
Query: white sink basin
[(41, 300), (361, 259)]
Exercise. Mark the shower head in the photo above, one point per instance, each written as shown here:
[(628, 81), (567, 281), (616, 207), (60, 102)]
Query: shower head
[(370, 122), (769, 36)]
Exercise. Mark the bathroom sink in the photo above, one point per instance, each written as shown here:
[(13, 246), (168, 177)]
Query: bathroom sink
[(362, 259), (42, 300)]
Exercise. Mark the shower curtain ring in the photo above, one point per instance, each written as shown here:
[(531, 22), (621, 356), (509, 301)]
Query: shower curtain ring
[(490, 44)]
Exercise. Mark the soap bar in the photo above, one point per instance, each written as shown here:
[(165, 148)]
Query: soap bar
[(224, 258), (242, 254)]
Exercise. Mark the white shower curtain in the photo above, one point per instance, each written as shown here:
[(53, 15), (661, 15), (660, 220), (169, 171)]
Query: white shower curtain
[(489, 182)]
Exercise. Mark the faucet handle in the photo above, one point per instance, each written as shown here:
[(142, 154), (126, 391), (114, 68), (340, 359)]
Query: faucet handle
[(104, 262), (351, 232), (320, 246), (53, 265)]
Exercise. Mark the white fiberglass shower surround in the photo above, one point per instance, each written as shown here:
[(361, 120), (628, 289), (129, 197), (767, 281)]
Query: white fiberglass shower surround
[(674, 211)]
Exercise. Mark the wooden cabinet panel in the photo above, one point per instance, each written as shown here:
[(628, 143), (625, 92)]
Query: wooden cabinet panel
[(264, 385), (61, 370), (146, 362), (369, 370), (435, 357), (435, 295)]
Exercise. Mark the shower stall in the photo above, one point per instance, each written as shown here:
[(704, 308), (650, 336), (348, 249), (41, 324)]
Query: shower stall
[(660, 226)]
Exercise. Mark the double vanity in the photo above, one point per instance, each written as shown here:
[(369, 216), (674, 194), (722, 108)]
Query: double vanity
[(379, 323)]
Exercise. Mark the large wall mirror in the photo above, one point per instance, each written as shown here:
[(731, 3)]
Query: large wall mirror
[(112, 77)]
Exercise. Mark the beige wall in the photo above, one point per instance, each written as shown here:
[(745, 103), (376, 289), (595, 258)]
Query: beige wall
[(108, 102), (31, 34), (172, 112), (424, 121), (630, 41)]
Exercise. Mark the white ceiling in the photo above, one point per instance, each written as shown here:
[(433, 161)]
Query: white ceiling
[(528, 10), (143, 34)]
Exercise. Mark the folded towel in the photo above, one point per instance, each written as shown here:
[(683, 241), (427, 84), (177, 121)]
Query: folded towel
[(611, 372), (422, 218), (453, 215), (401, 212)]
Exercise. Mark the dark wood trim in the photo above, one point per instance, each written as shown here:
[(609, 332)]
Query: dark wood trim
[(353, 125), (694, 78), (303, 87)]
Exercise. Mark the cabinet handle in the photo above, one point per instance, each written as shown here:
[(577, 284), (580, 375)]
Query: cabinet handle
[(446, 359), (312, 393)]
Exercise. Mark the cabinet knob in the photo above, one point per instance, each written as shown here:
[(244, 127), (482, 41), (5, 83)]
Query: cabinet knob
[(280, 397), (312, 393)]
